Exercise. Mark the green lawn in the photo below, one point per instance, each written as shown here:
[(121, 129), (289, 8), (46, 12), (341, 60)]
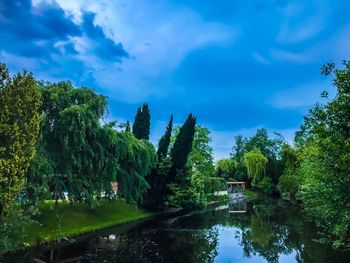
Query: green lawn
[(77, 218)]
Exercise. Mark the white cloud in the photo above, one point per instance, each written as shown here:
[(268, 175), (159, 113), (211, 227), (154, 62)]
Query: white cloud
[(303, 21), (157, 36)]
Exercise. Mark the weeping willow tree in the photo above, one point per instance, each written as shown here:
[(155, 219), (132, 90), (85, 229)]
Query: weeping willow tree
[(87, 157), (72, 135), (136, 159), (255, 162)]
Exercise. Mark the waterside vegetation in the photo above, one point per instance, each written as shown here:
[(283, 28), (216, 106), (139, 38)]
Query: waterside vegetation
[(60, 158)]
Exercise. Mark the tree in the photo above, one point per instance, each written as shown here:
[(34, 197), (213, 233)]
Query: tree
[(164, 142), (239, 148), (20, 102), (288, 182), (255, 162), (127, 127), (183, 143), (142, 123), (191, 193), (188, 188), (87, 156), (226, 168), (270, 147), (72, 135), (38, 177), (158, 176), (201, 156), (135, 160), (238, 151), (324, 163)]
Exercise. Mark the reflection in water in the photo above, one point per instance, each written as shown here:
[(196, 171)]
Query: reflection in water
[(237, 206), (269, 231)]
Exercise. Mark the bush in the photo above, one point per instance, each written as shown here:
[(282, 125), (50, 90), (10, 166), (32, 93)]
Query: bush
[(12, 228), (214, 184), (288, 186), (266, 185)]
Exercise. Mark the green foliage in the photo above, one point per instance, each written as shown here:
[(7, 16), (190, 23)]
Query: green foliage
[(127, 127), (226, 168), (266, 185), (214, 184), (142, 123), (201, 157), (322, 166), (198, 187), (13, 227), (159, 185), (289, 181), (38, 177), (189, 194), (73, 137), (164, 142), (270, 147), (20, 102), (255, 162), (87, 157), (158, 178), (136, 159), (183, 143), (288, 185), (190, 190)]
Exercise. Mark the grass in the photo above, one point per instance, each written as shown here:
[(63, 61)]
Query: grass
[(77, 219)]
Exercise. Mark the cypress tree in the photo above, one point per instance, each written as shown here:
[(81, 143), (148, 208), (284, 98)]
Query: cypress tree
[(127, 127), (164, 142), (137, 123), (183, 143), (157, 177), (142, 123)]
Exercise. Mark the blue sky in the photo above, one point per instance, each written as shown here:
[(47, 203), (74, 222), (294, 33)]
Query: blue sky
[(237, 65)]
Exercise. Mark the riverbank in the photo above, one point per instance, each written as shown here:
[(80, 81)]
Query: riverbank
[(66, 220), (271, 229)]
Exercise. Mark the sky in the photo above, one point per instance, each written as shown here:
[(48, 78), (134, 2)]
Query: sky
[(237, 65)]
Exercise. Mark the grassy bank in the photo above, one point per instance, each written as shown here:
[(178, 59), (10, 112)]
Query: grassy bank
[(65, 219)]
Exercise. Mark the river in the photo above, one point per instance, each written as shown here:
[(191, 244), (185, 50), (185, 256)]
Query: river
[(260, 230)]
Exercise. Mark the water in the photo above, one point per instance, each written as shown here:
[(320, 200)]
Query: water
[(262, 230)]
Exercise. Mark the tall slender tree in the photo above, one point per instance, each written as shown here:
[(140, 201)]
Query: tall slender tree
[(142, 123), (20, 102), (157, 178), (182, 149), (164, 142)]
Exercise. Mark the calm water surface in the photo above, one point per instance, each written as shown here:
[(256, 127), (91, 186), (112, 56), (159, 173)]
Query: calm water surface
[(262, 230)]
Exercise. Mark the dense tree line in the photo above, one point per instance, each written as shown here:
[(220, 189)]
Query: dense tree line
[(314, 170), (257, 159), (79, 157), (56, 145), (318, 165)]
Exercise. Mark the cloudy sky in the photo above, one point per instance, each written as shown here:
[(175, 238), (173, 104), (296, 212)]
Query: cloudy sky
[(237, 65)]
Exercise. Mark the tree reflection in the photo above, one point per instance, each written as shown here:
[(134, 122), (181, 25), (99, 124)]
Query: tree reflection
[(177, 243), (268, 228), (272, 228)]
